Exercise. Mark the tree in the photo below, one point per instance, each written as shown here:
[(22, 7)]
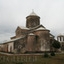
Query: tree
[(56, 44)]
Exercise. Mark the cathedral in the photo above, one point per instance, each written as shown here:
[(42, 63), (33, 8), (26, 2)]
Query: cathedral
[(30, 39)]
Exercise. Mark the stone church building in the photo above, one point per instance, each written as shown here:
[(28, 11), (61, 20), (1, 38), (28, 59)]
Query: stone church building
[(32, 38)]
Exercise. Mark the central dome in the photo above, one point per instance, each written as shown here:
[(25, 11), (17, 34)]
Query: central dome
[(32, 20)]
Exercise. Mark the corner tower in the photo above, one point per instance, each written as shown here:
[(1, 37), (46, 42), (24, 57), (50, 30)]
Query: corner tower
[(32, 20)]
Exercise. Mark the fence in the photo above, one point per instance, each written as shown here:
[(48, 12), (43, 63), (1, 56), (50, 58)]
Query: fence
[(19, 58)]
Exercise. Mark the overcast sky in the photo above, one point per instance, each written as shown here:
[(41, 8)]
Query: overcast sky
[(13, 13)]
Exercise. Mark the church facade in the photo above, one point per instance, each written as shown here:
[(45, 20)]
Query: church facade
[(32, 38)]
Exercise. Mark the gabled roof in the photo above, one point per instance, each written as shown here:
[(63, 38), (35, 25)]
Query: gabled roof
[(51, 35), (39, 27), (21, 27), (12, 40)]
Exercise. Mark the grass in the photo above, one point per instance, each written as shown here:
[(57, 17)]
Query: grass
[(31, 59)]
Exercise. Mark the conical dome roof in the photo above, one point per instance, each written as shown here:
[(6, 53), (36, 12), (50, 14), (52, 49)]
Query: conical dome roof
[(33, 14)]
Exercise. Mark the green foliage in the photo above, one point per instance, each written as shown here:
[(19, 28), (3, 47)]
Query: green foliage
[(56, 44), (52, 53), (46, 55)]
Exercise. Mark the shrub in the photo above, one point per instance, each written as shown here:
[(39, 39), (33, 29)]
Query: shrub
[(46, 55), (56, 44), (52, 54)]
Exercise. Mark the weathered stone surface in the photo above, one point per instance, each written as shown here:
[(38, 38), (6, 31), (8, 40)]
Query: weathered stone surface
[(32, 38)]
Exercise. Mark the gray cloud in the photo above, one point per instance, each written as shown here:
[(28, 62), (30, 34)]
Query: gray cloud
[(14, 12)]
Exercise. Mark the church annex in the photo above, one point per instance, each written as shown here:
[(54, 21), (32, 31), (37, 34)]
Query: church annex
[(32, 38)]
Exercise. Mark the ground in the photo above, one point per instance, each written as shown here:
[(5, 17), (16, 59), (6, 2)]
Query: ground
[(31, 59)]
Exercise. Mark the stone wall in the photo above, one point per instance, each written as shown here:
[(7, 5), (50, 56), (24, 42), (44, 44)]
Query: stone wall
[(32, 21), (5, 47), (20, 58), (43, 40), (31, 43), (20, 32), (20, 45)]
